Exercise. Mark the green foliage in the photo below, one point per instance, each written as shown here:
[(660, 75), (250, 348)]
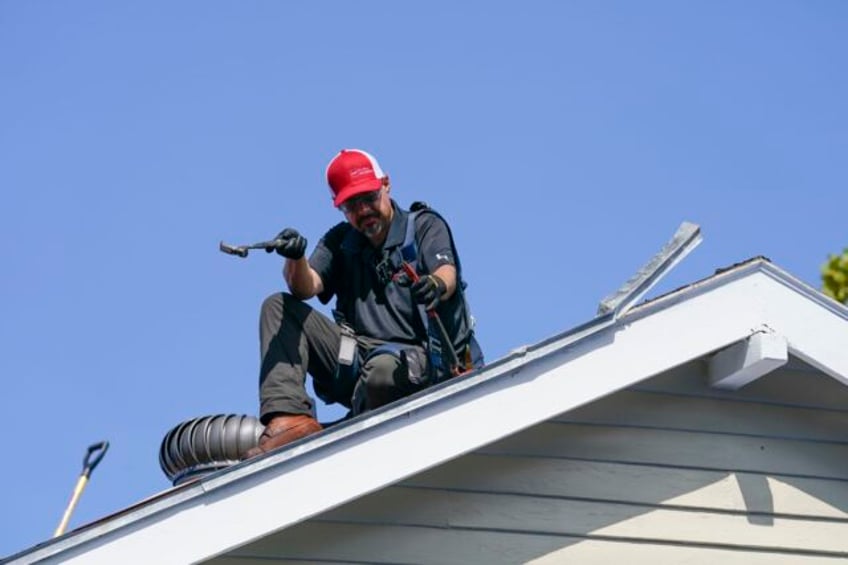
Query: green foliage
[(835, 277)]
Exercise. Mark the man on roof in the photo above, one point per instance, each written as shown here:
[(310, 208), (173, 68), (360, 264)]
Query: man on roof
[(382, 345)]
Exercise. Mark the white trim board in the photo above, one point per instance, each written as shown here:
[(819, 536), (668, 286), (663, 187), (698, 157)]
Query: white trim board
[(747, 360), (225, 509)]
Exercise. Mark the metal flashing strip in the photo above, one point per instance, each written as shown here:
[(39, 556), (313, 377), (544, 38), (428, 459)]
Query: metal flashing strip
[(686, 238)]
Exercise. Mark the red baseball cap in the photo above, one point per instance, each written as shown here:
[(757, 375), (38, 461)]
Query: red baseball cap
[(353, 172)]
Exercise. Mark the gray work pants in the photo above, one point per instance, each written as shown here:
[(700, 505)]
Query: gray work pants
[(295, 339)]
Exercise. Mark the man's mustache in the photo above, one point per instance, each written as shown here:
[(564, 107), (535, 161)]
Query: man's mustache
[(364, 219)]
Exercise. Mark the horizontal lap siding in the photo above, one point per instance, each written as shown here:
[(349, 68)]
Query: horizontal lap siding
[(314, 542), (646, 485), (359, 543), (575, 518), (685, 449), (603, 552), (720, 415), (259, 560), (792, 385), (667, 471)]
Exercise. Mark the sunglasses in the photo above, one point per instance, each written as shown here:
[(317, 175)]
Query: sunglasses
[(367, 199)]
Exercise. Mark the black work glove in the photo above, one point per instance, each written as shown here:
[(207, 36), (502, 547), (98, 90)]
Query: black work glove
[(289, 243), (428, 291)]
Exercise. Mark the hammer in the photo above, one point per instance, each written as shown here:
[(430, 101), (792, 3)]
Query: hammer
[(242, 250)]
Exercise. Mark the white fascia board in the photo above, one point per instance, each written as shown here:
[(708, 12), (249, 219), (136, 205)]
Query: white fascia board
[(815, 326), (747, 360), (254, 499)]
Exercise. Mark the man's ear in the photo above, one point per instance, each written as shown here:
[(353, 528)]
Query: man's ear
[(386, 184)]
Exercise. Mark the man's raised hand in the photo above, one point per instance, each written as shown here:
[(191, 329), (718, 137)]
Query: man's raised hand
[(289, 243)]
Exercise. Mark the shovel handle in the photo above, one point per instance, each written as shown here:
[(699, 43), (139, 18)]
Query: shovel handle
[(93, 456)]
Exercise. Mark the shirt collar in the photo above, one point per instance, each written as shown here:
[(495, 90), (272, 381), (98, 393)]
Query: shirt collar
[(397, 229)]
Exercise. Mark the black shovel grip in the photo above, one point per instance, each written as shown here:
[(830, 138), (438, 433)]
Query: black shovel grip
[(93, 456)]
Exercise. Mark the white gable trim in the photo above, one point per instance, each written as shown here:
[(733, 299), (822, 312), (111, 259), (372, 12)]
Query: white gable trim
[(814, 328), (251, 500)]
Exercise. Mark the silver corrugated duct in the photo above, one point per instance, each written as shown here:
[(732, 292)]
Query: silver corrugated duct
[(202, 445)]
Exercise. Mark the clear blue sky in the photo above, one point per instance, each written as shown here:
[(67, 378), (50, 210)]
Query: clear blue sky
[(565, 141)]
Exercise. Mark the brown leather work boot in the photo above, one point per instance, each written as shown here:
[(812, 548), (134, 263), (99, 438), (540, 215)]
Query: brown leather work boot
[(284, 429)]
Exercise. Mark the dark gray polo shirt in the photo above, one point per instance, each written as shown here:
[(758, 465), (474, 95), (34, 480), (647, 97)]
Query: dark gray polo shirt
[(379, 308)]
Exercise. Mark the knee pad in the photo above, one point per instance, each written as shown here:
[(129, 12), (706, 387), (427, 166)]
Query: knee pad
[(381, 370)]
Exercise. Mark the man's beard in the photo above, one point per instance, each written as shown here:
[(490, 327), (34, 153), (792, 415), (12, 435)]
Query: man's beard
[(373, 229)]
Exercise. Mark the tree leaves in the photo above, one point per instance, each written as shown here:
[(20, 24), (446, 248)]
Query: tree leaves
[(835, 277)]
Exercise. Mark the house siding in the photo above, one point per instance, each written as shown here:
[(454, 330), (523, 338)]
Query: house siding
[(667, 471)]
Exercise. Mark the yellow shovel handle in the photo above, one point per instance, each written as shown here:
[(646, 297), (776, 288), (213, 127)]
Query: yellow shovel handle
[(92, 457), (74, 499)]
